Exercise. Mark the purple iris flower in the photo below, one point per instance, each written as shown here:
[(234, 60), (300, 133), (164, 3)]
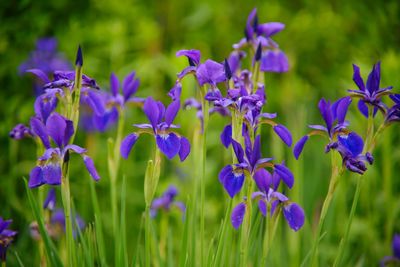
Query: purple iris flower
[(395, 258), (334, 116), (160, 126), (269, 200), (250, 162), (210, 72), (6, 237), (47, 102), (166, 201), (258, 36), (350, 147), (49, 168), (369, 94), (393, 113), (115, 101)]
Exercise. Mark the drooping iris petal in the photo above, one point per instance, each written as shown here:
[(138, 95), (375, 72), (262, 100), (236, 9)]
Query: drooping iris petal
[(284, 134), (56, 126), (184, 149), (171, 111), (91, 168), (226, 135), (224, 172), (270, 28), (263, 179), (76, 149), (193, 56), (237, 216), (353, 142), (169, 144), (114, 84), (127, 144), (36, 177), (233, 182), (298, 148), (52, 173), (39, 129), (294, 216), (150, 108), (285, 174)]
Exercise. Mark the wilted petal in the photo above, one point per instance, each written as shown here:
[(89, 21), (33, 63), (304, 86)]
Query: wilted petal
[(127, 144), (237, 216), (52, 173), (285, 174), (36, 177), (171, 111), (226, 135), (91, 168), (284, 134), (184, 149), (39, 129), (169, 144), (298, 148), (294, 216), (263, 179), (150, 108)]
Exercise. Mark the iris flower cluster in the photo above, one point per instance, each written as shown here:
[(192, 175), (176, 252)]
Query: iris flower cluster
[(166, 201)]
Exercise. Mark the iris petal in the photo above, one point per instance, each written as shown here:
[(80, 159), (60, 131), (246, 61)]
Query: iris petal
[(237, 215), (127, 144), (284, 134), (184, 149), (294, 216), (298, 148), (169, 144)]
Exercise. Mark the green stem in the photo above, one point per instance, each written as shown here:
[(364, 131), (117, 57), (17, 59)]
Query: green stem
[(348, 226), (3, 264), (369, 143), (66, 199), (205, 108), (336, 173), (147, 236), (223, 233), (246, 227)]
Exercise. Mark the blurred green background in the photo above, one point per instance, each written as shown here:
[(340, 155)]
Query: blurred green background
[(322, 39)]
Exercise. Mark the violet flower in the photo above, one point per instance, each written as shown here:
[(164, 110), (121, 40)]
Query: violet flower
[(20, 131), (393, 113), (395, 258), (166, 201), (259, 35), (161, 119), (210, 72), (334, 116), (251, 163), (369, 94), (6, 238), (49, 167)]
